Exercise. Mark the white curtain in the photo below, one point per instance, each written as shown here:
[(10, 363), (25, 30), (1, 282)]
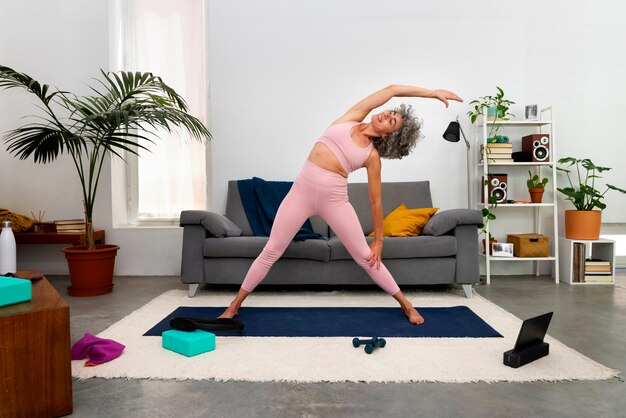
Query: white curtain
[(168, 41)]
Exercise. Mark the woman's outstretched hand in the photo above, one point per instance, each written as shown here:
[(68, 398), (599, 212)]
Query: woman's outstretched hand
[(445, 95), (375, 256)]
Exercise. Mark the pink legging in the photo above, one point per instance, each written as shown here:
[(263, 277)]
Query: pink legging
[(317, 191)]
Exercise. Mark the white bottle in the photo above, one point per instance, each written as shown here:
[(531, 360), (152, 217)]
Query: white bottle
[(8, 255)]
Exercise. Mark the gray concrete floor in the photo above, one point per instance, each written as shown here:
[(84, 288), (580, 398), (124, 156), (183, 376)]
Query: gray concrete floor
[(591, 320)]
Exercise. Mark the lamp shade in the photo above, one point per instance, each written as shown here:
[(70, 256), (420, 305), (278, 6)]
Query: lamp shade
[(452, 133)]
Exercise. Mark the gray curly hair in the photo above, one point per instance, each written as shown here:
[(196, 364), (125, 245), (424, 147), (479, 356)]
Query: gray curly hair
[(399, 143)]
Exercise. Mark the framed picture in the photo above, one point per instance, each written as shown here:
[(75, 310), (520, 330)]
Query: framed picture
[(502, 249), (531, 112)]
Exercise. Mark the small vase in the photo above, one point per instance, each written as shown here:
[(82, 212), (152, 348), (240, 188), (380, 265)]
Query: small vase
[(491, 241), (536, 194)]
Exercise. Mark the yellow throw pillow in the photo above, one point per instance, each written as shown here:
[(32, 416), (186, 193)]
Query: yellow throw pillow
[(405, 222)]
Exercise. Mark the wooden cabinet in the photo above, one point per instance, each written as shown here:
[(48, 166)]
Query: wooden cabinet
[(35, 366)]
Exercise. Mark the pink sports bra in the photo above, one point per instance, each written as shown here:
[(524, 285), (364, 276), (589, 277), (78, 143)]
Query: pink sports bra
[(337, 138)]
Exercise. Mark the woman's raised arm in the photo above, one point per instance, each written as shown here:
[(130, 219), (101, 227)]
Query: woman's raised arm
[(359, 111)]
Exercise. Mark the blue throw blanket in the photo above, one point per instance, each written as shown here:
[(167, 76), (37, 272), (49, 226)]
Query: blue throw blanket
[(261, 200)]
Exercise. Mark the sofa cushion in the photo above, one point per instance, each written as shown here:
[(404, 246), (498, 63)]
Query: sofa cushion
[(449, 219), (251, 247), (402, 247), (414, 194), (405, 222)]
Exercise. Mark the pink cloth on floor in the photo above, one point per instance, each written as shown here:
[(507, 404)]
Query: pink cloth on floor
[(98, 350)]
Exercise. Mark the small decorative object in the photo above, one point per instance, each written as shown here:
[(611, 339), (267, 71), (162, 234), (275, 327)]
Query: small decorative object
[(38, 227), (530, 112), (8, 249), (584, 222), (502, 249), (536, 187)]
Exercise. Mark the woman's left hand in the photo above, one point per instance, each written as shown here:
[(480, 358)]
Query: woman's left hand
[(445, 95), (375, 256)]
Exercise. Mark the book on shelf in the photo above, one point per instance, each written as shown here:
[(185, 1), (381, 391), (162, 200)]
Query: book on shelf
[(578, 267), (70, 226), (599, 279), (497, 160), (69, 221), (71, 231), (497, 151), (597, 262), (597, 269), (499, 145)]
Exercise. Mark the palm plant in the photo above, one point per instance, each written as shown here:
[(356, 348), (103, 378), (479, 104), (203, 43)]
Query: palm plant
[(116, 118)]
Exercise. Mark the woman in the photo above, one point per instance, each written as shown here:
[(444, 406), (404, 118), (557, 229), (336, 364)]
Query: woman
[(321, 188)]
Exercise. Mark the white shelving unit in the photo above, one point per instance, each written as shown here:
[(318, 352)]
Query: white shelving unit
[(603, 249), (543, 169)]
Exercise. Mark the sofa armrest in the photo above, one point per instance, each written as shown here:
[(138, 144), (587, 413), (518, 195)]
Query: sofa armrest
[(218, 225), (447, 220), (467, 271)]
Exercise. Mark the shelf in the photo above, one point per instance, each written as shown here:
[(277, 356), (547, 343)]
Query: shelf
[(517, 205), (611, 283), (492, 258), (520, 164), (518, 123), (486, 164)]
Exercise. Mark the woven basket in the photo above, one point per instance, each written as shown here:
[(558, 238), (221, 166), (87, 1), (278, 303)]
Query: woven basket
[(529, 245)]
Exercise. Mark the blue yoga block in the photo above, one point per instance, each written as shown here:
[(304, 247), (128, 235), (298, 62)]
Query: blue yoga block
[(188, 343), (14, 290)]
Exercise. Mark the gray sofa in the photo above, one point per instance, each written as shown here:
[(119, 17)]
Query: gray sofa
[(219, 249)]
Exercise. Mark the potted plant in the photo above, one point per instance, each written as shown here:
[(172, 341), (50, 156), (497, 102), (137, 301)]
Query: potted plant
[(536, 187), (497, 109), (584, 222), (116, 117), (491, 241)]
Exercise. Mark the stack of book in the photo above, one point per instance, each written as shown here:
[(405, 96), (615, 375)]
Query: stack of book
[(70, 226), (598, 271), (497, 153)]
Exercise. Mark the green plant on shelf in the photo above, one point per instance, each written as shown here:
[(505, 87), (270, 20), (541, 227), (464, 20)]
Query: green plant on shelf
[(534, 182), (497, 106), (488, 214)]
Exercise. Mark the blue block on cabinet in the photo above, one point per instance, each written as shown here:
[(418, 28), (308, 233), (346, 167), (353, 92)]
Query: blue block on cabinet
[(14, 290)]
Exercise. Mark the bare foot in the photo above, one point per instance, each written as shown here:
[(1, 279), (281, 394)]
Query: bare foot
[(230, 313), (414, 317)]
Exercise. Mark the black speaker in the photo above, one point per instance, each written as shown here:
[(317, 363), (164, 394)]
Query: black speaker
[(497, 188), (538, 145)]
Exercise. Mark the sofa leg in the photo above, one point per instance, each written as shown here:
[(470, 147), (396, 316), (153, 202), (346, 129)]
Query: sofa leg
[(467, 288), (193, 288)]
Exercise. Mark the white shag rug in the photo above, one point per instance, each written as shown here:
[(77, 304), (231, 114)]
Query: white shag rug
[(334, 359)]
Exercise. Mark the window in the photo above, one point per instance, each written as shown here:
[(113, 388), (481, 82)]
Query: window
[(166, 38)]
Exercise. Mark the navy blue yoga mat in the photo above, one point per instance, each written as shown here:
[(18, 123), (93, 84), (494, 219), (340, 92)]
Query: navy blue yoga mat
[(456, 321)]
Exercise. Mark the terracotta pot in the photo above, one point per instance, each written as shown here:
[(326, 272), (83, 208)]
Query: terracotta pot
[(491, 241), (91, 272), (536, 194), (583, 224)]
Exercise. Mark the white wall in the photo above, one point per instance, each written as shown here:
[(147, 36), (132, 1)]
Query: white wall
[(281, 72)]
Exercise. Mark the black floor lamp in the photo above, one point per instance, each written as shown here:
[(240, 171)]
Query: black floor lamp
[(453, 134)]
